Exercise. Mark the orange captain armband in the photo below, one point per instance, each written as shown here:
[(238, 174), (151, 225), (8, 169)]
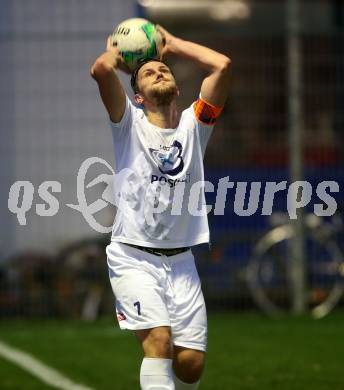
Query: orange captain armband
[(206, 112)]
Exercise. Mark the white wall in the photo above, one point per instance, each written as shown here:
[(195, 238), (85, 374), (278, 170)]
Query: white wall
[(52, 118)]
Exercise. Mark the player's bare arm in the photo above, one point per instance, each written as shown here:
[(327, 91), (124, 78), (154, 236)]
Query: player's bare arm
[(111, 91), (215, 86)]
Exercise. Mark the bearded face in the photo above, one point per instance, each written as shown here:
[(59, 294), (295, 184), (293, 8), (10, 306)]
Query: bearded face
[(163, 92), (157, 84)]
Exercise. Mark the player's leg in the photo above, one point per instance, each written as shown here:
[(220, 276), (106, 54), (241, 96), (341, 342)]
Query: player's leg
[(156, 368), (188, 365), (136, 279), (156, 342), (188, 321)]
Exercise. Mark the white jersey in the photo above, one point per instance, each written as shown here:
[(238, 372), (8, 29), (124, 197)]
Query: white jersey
[(155, 170)]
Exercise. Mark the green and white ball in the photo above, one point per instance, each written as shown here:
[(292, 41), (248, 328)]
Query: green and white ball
[(137, 39)]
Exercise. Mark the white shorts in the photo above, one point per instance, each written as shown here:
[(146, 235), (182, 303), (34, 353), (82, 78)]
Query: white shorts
[(154, 291)]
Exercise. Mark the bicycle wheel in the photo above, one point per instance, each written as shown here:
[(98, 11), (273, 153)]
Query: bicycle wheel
[(268, 272)]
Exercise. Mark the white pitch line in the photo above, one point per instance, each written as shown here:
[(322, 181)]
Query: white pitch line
[(35, 367)]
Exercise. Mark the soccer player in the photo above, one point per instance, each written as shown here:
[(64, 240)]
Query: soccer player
[(151, 266)]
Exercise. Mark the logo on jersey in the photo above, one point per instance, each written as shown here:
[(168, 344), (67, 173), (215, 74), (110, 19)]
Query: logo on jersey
[(169, 161), (121, 316), (171, 182)]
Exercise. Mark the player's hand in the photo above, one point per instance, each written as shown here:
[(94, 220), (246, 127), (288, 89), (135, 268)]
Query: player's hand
[(120, 64), (167, 41)]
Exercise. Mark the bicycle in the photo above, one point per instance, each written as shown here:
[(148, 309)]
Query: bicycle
[(268, 271)]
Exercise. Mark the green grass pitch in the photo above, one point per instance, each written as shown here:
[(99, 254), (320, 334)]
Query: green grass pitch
[(246, 352)]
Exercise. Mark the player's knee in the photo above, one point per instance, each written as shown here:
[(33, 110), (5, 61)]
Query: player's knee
[(160, 341), (157, 343), (188, 365), (195, 369)]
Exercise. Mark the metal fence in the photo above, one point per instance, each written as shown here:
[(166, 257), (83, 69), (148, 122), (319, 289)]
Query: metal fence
[(52, 120)]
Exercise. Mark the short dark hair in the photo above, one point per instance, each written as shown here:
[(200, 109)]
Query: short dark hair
[(133, 80)]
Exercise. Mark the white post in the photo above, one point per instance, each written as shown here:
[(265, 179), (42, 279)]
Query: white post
[(295, 127)]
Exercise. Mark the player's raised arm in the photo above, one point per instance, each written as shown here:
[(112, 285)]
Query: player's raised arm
[(215, 86), (111, 91)]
